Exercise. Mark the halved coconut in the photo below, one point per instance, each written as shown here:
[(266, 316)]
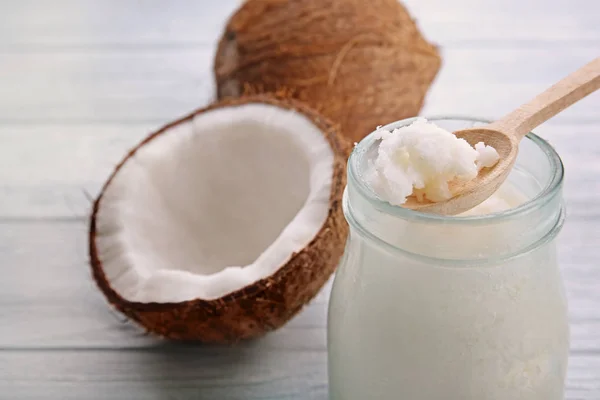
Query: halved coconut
[(223, 224)]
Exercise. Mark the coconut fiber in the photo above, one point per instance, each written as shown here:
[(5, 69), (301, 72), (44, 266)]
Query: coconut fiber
[(360, 63)]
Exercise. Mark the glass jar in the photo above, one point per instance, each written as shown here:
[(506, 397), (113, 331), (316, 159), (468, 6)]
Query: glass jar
[(427, 307)]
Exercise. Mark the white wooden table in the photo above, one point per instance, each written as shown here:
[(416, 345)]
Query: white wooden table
[(82, 81)]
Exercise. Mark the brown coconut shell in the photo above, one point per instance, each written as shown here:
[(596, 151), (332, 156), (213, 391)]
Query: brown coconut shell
[(359, 63), (268, 303)]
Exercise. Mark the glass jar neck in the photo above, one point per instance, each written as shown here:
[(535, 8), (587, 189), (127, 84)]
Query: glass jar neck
[(461, 239)]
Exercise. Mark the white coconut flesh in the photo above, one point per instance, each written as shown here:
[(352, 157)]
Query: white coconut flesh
[(214, 204)]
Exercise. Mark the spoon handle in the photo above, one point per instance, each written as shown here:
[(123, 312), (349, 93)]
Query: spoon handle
[(552, 101)]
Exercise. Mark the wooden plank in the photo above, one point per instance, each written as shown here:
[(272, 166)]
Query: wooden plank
[(34, 25), (60, 338), (199, 373), (37, 178), (35, 156), (48, 298), (513, 23), (101, 87), (156, 86), (489, 83), (37, 174), (37, 25), (189, 373)]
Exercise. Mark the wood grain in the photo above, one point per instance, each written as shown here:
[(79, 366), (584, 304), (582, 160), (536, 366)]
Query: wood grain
[(205, 374), (63, 306), (150, 86), (38, 183), (82, 81), (55, 313), (36, 25), (562, 94)]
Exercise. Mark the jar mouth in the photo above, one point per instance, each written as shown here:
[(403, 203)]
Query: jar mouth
[(460, 262), (546, 194)]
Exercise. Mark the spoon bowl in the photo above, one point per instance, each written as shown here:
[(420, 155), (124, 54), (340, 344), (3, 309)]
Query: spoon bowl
[(488, 179)]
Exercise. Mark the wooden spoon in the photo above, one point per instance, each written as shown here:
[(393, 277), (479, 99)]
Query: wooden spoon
[(505, 134)]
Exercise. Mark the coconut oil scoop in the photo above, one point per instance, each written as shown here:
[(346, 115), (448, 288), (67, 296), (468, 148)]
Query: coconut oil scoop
[(504, 135)]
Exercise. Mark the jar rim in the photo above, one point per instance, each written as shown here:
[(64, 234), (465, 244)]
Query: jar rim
[(544, 196), (460, 262)]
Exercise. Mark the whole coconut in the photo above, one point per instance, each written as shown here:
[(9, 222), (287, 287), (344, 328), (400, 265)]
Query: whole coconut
[(360, 63)]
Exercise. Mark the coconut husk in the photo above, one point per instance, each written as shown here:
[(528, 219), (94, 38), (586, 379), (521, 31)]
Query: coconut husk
[(267, 304), (360, 63)]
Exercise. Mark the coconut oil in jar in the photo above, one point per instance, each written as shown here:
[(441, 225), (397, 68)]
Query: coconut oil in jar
[(471, 307)]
